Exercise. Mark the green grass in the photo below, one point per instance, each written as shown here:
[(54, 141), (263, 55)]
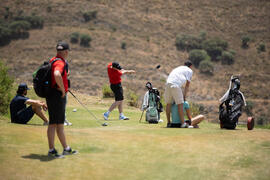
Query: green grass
[(133, 150)]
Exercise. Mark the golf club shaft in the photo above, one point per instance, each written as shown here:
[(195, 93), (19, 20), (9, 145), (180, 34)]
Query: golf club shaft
[(141, 116), (82, 104)]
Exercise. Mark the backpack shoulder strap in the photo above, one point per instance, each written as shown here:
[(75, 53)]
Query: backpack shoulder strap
[(56, 59)]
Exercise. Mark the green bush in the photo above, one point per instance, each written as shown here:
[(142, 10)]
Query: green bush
[(248, 108), (5, 35), (262, 120), (90, 15), (196, 109), (196, 56), (245, 41), (187, 42), (19, 29), (261, 47), (124, 45), (227, 58), (206, 67), (107, 92), (85, 40), (5, 88), (36, 22), (74, 37), (132, 98), (214, 48)]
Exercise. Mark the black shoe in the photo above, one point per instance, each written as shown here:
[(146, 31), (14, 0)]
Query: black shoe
[(69, 152), (55, 154)]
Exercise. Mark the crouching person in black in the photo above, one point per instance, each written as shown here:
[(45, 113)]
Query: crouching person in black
[(20, 113)]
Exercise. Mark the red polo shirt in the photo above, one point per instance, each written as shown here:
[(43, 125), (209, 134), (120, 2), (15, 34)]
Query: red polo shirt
[(114, 74), (60, 66)]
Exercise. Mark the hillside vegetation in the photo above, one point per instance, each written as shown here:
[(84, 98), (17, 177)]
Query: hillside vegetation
[(140, 35)]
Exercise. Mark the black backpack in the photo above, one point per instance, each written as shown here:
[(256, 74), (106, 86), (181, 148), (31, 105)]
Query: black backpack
[(42, 79)]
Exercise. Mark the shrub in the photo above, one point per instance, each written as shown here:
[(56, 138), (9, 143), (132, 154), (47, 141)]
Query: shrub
[(214, 48), (85, 40), (262, 120), (5, 88), (19, 29), (124, 45), (187, 42), (245, 41), (5, 35), (261, 47), (132, 98), (36, 22), (206, 67), (107, 92), (248, 108), (74, 37), (90, 15), (227, 58), (196, 56), (196, 109)]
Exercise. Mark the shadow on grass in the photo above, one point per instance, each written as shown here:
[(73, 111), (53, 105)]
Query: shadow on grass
[(41, 157)]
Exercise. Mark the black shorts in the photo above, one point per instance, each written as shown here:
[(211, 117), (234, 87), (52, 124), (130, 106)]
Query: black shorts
[(24, 115), (56, 107), (118, 91)]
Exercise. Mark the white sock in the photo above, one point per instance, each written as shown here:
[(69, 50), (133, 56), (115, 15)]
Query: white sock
[(108, 112), (51, 150), (121, 114), (67, 148)]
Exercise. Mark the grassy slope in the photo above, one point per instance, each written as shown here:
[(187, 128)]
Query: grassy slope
[(129, 150)]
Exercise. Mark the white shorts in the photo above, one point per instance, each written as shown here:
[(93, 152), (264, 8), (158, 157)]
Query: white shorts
[(172, 94)]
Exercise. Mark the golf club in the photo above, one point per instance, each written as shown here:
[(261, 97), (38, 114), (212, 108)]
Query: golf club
[(141, 116), (97, 120)]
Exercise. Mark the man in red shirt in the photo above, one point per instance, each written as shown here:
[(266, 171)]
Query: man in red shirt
[(57, 101), (115, 72)]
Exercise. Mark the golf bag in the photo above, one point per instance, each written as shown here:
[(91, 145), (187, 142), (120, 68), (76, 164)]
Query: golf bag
[(152, 104), (231, 105)]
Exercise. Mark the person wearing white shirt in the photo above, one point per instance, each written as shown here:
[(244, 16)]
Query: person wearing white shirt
[(179, 77)]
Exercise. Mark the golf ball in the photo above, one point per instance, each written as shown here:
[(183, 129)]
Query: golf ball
[(74, 110)]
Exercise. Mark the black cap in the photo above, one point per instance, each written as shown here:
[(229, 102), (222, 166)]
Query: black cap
[(116, 65), (23, 87), (61, 46)]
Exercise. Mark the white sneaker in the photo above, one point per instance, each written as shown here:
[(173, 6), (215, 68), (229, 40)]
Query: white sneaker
[(122, 117), (185, 125), (106, 115), (67, 123), (190, 127)]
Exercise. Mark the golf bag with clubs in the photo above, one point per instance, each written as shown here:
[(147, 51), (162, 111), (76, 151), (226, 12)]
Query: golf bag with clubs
[(231, 105), (152, 104)]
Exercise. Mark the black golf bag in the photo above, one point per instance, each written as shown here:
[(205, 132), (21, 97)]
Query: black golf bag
[(231, 107)]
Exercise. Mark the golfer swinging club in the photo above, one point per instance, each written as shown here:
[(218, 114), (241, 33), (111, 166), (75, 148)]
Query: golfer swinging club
[(115, 72)]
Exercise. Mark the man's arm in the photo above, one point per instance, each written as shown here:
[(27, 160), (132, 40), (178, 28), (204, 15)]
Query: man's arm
[(186, 89), (127, 71), (37, 103), (59, 82), (189, 114)]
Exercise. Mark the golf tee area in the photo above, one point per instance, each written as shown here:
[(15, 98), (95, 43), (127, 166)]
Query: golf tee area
[(132, 150)]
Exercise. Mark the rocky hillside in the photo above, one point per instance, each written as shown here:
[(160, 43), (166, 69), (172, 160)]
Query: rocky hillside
[(142, 34)]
